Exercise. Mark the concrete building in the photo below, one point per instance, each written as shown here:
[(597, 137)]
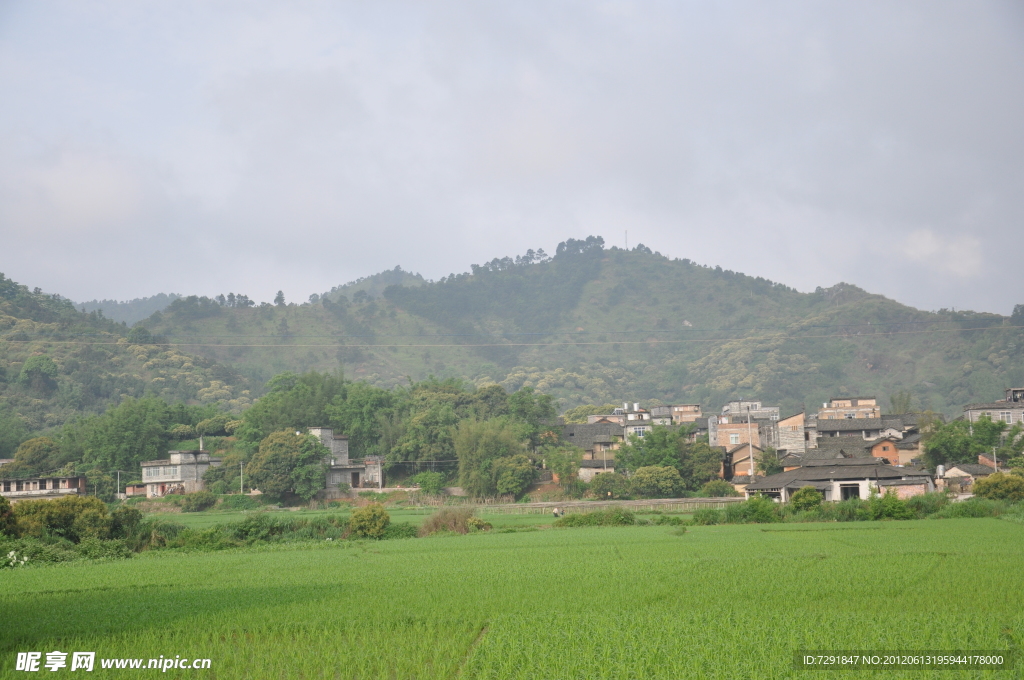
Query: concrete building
[(341, 470), (41, 488), (1009, 410), (754, 408), (181, 472), (840, 408), (592, 468), (685, 413)]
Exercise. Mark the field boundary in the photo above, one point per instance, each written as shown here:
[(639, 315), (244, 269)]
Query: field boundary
[(570, 507)]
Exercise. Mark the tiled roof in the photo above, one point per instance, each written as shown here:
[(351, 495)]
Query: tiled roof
[(585, 435), (974, 469), (839, 471)]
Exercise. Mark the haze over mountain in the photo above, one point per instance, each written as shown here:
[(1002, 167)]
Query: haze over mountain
[(595, 324)]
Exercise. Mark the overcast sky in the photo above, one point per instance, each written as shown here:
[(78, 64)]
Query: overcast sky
[(207, 147)]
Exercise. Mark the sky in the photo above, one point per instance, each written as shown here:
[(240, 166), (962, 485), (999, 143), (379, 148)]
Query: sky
[(205, 147)]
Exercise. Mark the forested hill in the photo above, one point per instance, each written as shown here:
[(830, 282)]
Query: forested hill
[(597, 325), (57, 362)]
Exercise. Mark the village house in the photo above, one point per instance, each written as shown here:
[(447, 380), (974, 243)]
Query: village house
[(181, 472), (342, 471), (41, 488), (598, 440), (684, 413), (592, 468), (961, 477), (740, 460), (754, 409), (841, 479), (1009, 410), (792, 435)]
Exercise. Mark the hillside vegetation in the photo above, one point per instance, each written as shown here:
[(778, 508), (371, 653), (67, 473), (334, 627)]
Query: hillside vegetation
[(57, 363), (597, 325)]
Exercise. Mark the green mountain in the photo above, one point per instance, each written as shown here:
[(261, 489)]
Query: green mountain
[(129, 311), (57, 362), (597, 325)]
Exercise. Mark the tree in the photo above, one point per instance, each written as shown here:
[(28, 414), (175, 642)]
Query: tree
[(901, 402), (656, 482), (8, 523), (609, 486), (12, 432), (513, 475), (139, 335), (72, 517), (370, 521), (806, 498), (659, 448), (279, 299), (429, 482), (564, 461), (767, 462), (293, 402), (961, 441), (39, 372), (36, 455), (533, 409), (1000, 487), (718, 488), (580, 413), (478, 446), (287, 462)]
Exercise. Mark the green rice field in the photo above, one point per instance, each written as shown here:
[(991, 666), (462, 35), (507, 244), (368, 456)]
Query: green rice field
[(729, 601)]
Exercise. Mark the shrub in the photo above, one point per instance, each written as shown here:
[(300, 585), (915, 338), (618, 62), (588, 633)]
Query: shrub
[(370, 521), (656, 482), (889, 506), (220, 487), (198, 501), (972, 507), (707, 517), (718, 488), (609, 485), (72, 517), (806, 498), (8, 523), (239, 502), (1000, 487), (927, 503), (850, 510), (124, 522), (455, 520), (401, 530), (667, 520), (756, 510), (609, 517), (429, 482)]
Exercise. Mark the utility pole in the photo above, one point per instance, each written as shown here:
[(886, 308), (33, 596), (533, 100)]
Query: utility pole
[(750, 445), (995, 461), (241, 477)]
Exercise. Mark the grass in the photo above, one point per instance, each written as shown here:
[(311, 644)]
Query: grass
[(729, 601)]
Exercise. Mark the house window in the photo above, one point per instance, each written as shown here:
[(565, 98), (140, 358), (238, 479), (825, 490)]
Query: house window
[(1006, 417), (851, 416), (734, 438), (848, 491), (885, 448)]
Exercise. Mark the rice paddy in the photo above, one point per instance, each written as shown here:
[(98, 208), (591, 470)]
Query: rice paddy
[(730, 601)]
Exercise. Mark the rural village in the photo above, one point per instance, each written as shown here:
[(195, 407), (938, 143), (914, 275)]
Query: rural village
[(847, 449)]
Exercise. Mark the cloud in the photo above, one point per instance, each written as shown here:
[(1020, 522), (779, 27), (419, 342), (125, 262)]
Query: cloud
[(303, 145), (959, 256)]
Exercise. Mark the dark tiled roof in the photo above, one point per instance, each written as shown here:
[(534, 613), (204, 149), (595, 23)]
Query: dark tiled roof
[(972, 469), (839, 471), (585, 435), (597, 463), (996, 406)]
